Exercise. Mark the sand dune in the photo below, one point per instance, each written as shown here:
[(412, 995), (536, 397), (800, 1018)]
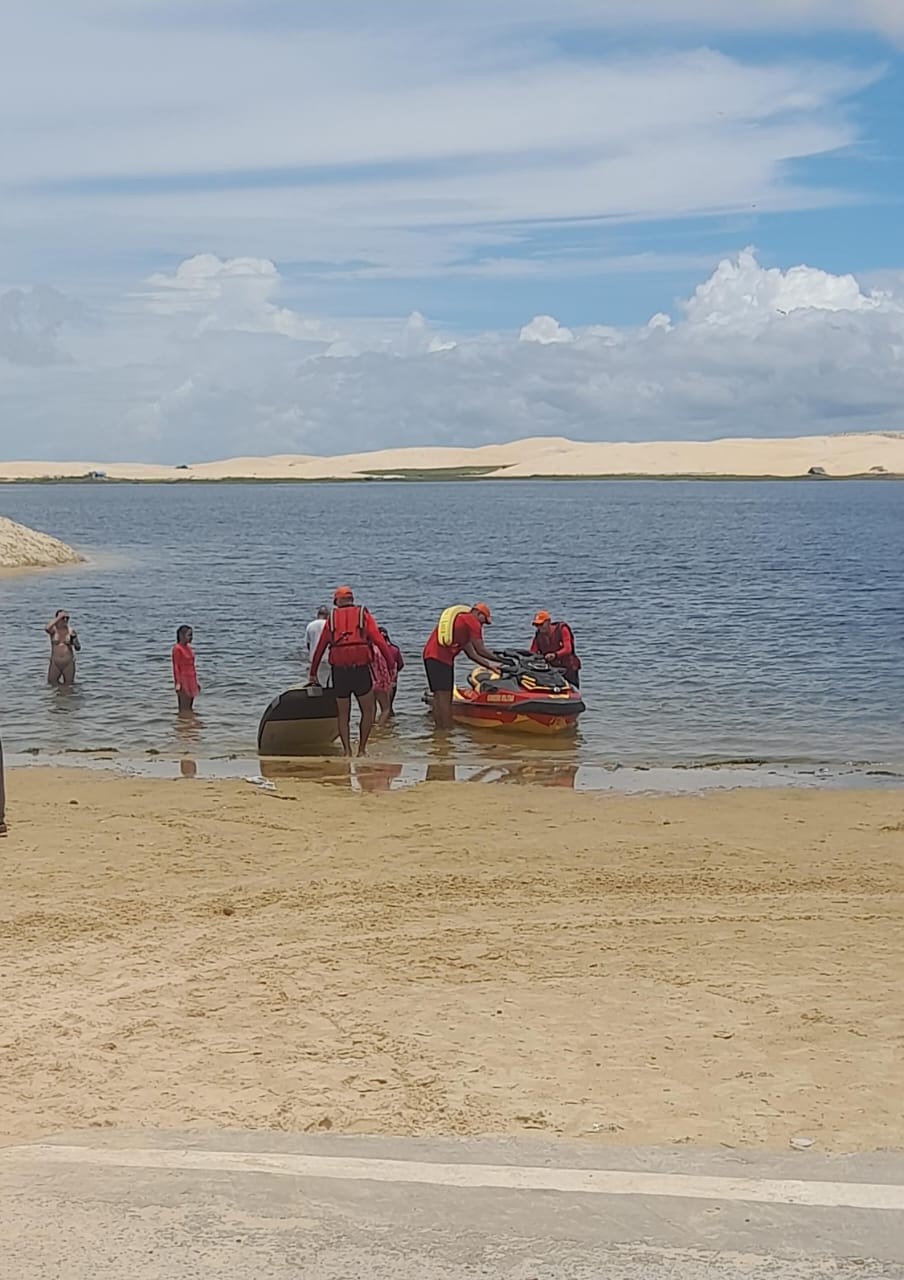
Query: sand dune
[(838, 455), (23, 548)]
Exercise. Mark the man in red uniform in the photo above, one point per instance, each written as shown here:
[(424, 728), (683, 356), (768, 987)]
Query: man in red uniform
[(351, 634), (439, 659), (555, 641)]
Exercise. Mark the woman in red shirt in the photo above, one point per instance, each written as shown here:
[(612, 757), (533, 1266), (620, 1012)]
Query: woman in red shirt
[(185, 676)]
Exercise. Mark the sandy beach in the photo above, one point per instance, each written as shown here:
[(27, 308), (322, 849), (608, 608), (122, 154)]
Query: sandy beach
[(453, 960), (22, 548), (837, 455)]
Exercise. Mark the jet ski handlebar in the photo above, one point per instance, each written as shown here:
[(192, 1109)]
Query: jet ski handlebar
[(520, 660)]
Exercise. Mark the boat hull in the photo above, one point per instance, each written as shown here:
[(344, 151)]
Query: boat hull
[(555, 713), (299, 722)]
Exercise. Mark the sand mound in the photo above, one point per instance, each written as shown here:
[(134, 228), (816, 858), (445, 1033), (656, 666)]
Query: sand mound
[(836, 455), (23, 548)]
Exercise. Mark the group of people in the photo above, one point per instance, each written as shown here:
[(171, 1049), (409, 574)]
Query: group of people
[(356, 657)]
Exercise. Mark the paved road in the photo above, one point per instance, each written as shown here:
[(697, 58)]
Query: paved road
[(159, 1206)]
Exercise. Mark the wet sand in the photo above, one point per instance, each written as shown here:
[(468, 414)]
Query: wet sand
[(453, 960)]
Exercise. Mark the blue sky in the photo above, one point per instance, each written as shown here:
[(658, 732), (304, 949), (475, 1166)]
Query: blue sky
[(476, 162)]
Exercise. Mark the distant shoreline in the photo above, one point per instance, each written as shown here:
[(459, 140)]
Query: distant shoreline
[(873, 455), (439, 476)]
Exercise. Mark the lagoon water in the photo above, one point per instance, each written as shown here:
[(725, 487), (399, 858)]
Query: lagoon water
[(717, 621)]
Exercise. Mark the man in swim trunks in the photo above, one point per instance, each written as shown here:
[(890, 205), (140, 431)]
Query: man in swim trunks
[(439, 659), (352, 635), (64, 645)]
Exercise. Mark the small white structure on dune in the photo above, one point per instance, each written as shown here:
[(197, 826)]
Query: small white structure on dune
[(23, 548)]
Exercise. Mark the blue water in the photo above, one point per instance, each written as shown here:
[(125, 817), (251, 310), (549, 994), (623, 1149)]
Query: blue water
[(717, 621)]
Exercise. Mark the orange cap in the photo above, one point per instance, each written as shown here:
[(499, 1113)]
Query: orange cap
[(480, 607), (343, 593), (541, 617)]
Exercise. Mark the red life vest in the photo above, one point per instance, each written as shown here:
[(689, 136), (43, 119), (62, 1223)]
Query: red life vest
[(349, 645), (553, 642)]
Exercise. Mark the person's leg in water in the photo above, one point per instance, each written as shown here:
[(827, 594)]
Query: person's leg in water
[(384, 702), (61, 672), (343, 715), (367, 703), (442, 708), (186, 704), (440, 678)]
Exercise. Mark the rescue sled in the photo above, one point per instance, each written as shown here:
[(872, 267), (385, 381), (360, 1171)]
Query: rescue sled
[(300, 722)]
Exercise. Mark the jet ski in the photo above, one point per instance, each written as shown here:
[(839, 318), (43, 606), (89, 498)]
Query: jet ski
[(300, 722), (527, 696)]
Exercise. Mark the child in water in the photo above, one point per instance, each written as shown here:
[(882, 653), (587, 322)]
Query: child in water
[(185, 677)]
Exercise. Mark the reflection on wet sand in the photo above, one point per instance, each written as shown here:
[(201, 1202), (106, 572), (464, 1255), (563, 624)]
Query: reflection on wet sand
[(378, 775)]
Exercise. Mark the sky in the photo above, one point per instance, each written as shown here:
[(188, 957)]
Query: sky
[(233, 227)]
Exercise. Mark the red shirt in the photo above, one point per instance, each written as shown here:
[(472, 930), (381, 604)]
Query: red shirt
[(351, 655), (465, 630), (184, 674)]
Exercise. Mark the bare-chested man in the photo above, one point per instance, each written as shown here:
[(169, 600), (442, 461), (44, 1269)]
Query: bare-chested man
[(64, 645)]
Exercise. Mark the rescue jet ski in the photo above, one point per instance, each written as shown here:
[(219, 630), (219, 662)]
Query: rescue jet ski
[(300, 722), (527, 696)]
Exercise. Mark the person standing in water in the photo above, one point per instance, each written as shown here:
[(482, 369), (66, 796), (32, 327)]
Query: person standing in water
[(64, 645), (352, 635), (185, 677), (312, 633), (459, 630), (384, 674), (399, 668)]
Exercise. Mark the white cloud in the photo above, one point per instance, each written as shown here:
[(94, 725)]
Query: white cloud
[(30, 324), (374, 142), (232, 295), (545, 329), (742, 294), (755, 351)]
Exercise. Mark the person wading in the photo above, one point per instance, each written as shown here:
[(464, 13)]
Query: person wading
[(312, 633), (64, 645), (352, 635), (459, 630), (555, 641)]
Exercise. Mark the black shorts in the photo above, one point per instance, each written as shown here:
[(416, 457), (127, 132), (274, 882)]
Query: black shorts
[(440, 676), (351, 680)]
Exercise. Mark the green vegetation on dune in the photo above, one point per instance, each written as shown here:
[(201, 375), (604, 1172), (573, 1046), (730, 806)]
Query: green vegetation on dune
[(430, 473)]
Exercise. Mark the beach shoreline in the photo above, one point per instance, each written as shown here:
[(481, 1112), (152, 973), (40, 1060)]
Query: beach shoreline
[(706, 969)]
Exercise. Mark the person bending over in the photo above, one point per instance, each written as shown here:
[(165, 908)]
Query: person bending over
[(459, 630)]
